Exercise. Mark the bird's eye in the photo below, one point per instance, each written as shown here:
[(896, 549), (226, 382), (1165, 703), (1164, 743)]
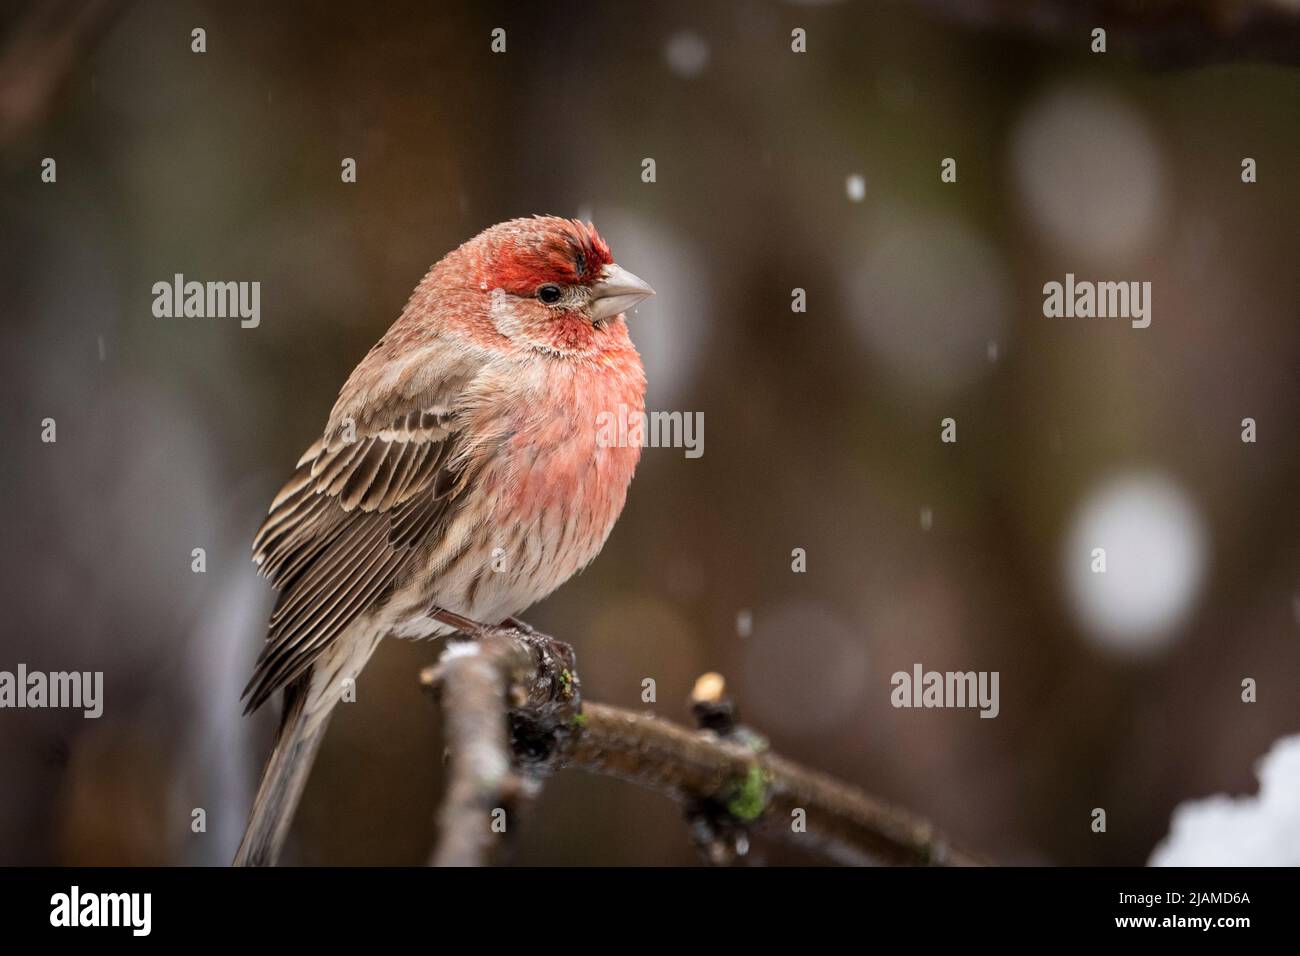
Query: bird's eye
[(550, 294)]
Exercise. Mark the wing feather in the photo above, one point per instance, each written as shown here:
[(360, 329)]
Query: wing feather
[(346, 528)]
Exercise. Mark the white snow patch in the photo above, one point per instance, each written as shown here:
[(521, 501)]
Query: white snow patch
[(1263, 830)]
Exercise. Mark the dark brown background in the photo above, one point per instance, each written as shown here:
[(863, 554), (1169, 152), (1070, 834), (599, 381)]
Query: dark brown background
[(821, 429)]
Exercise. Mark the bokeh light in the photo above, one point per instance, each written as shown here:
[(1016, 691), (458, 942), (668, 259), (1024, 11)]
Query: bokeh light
[(1089, 173), (926, 297), (1154, 541)]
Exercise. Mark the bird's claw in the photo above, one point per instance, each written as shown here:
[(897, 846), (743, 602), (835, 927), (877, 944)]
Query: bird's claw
[(476, 630), (523, 627)]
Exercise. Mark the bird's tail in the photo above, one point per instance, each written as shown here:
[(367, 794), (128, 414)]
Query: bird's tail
[(301, 729)]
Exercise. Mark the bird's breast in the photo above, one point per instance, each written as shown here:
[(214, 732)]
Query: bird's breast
[(567, 453), (554, 480)]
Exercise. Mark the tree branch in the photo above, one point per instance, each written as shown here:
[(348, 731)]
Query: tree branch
[(758, 788), (514, 714), (472, 681)]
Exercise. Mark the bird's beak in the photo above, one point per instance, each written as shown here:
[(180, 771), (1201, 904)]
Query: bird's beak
[(616, 291)]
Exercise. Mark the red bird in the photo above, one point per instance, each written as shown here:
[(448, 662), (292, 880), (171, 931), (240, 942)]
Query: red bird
[(459, 469)]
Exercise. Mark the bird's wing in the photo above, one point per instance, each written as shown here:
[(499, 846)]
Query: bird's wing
[(348, 524)]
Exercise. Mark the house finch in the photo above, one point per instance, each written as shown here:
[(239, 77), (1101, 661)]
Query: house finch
[(459, 470)]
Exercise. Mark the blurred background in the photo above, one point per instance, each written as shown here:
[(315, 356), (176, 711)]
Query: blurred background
[(775, 170)]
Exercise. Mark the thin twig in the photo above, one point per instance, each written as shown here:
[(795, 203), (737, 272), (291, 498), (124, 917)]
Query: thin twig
[(760, 788), (514, 713), (472, 683)]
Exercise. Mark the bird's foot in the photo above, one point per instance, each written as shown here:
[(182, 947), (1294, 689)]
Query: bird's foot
[(523, 627), (478, 630), (545, 645), (467, 626)]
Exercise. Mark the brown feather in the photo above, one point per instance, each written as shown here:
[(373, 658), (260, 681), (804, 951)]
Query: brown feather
[(342, 531)]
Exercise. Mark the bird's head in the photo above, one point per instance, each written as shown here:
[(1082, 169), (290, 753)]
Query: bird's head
[(554, 286)]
